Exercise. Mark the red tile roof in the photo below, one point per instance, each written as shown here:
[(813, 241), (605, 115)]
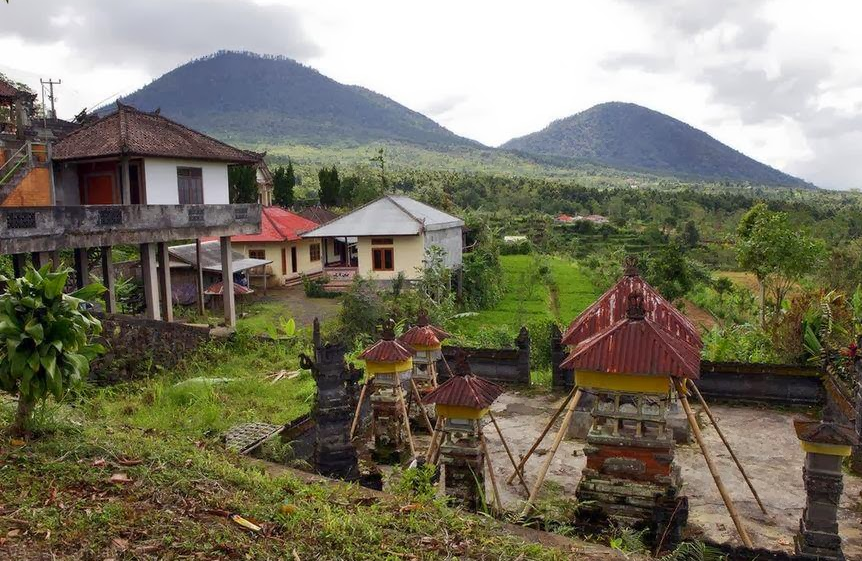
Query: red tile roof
[(424, 334), (611, 307), (318, 214), (636, 345), (465, 391), (278, 225), (129, 132), (387, 350), (8, 90)]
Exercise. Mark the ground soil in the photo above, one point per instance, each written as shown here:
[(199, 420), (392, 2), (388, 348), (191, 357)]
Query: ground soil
[(698, 315)]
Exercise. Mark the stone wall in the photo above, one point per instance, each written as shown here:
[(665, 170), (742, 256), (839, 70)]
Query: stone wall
[(763, 383), (135, 346), (503, 366)]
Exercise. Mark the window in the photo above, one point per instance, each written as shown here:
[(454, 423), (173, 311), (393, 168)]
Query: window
[(381, 241), (190, 185), (383, 259), (257, 254), (314, 252)]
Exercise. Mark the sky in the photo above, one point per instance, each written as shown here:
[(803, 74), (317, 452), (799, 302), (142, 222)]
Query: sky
[(779, 80)]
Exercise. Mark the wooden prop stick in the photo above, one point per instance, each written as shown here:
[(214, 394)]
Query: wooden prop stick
[(509, 453), (358, 408), (692, 422), (400, 396), (434, 436), (497, 502), (726, 445), (421, 407), (519, 469), (559, 438), (435, 459)]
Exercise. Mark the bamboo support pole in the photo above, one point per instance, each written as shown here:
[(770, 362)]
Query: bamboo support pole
[(421, 407), (509, 453), (497, 501), (400, 396), (727, 445), (519, 469), (436, 457), (731, 509), (559, 438), (434, 436), (358, 408)]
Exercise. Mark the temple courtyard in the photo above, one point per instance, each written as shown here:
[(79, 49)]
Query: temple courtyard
[(762, 438)]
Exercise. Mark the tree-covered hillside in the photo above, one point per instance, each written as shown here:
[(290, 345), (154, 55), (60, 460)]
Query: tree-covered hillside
[(244, 97), (628, 136)]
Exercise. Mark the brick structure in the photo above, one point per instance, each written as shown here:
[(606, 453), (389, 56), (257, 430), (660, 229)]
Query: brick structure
[(334, 454), (826, 445)]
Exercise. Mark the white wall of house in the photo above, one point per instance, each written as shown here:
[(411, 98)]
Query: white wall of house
[(160, 178), (452, 242)]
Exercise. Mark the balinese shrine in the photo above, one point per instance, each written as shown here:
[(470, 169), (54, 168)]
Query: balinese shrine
[(629, 367), (389, 367), (427, 342)]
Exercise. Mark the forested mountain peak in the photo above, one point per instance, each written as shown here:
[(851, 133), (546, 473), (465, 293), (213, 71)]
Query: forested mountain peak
[(629, 136)]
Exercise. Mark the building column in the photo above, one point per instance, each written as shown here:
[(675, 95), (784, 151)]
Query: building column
[(199, 276), (19, 264), (150, 275), (165, 282), (82, 267), (227, 281), (108, 279), (127, 184), (42, 258)]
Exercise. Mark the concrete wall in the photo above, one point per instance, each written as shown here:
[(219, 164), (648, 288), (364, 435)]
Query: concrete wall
[(137, 345), (503, 366), (409, 251), (33, 190), (769, 383), (451, 241), (160, 180), (304, 264), (67, 186)]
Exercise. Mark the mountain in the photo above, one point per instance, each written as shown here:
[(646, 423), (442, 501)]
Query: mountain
[(628, 136), (251, 98)]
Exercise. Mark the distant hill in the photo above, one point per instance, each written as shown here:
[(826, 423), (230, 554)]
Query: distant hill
[(250, 98), (628, 136)]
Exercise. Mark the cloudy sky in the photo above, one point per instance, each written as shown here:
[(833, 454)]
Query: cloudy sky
[(780, 80)]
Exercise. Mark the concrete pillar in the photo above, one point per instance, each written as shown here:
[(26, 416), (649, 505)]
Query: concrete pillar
[(165, 282), (19, 264), (150, 277), (464, 471), (108, 280), (127, 184), (227, 281), (42, 258), (199, 277), (82, 267)]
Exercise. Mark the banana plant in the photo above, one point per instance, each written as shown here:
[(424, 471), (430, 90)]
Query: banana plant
[(46, 339)]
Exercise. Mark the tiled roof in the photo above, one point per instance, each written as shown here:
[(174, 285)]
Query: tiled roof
[(10, 91), (636, 345), (611, 307), (318, 214), (465, 391), (129, 132), (278, 225), (388, 348), (822, 432), (423, 333)]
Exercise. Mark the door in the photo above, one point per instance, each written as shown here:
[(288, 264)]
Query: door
[(293, 258), (100, 189)]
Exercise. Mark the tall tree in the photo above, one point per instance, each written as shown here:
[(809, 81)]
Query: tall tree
[(283, 182), (330, 186), (690, 235), (380, 159), (242, 184)]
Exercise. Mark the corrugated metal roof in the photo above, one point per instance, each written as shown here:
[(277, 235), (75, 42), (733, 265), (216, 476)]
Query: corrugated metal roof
[(636, 346), (387, 350), (423, 333), (217, 289), (465, 391), (390, 215), (611, 307), (211, 257)]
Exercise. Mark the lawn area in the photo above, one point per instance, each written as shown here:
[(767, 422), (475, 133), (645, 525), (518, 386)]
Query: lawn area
[(530, 298)]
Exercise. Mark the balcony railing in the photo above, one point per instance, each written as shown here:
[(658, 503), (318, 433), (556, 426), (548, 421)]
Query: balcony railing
[(29, 229)]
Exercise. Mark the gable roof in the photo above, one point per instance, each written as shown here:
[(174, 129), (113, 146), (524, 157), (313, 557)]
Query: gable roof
[(824, 432), (464, 391), (387, 350), (318, 214), (211, 257), (611, 307), (277, 225), (424, 334), (129, 132), (11, 91), (390, 215), (636, 346)]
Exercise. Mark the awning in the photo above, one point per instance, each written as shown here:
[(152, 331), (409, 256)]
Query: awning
[(211, 257)]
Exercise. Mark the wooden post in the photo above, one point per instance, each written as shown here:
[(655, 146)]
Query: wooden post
[(165, 282), (434, 436), (199, 277), (497, 501), (508, 452), (358, 408), (400, 396), (520, 466), (421, 407), (82, 267), (727, 445), (544, 471), (151, 283), (692, 422), (127, 184), (108, 279), (227, 282)]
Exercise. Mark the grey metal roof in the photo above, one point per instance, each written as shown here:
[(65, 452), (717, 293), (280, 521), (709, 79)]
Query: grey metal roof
[(211, 257), (390, 215)]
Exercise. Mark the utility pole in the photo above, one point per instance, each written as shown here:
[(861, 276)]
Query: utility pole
[(50, 83)]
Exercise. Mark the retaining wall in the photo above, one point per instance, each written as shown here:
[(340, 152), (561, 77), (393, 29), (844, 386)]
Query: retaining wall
[(762, 383), (503, 366)]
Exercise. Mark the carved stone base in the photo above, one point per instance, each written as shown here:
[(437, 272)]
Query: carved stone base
[(465, 475)]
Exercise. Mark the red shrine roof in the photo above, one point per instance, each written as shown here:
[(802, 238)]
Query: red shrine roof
[(388, 348), (465, 391), (423, 333), (636, 345), (611, 308), (129, 132), (278, 225)]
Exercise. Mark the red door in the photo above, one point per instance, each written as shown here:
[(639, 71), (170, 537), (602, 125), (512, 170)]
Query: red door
[(100, 190)]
